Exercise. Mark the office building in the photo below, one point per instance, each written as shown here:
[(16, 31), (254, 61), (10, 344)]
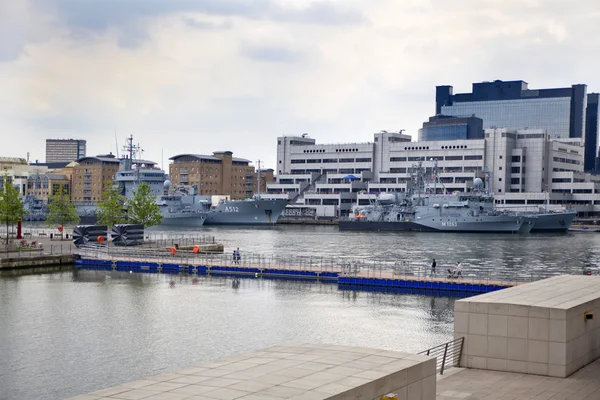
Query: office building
[(445, 127), (219, 174), (525, 168), (92, 176), (565, 113), (64, 150)]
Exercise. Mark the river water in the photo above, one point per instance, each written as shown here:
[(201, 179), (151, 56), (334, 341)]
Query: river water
[(67, 333)]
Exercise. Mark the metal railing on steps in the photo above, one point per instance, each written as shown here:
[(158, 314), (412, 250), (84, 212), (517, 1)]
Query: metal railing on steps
[(447, 355)]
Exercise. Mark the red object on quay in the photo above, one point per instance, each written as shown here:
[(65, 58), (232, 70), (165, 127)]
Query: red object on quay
[(19, 229), (100, 239)]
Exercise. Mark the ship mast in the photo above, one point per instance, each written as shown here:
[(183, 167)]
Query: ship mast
[(133, 149), (258, 188)]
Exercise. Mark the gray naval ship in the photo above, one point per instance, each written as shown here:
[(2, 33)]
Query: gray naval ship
[(417, 210), (183, 207)]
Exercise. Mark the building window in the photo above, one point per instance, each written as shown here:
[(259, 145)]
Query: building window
[(500, 168), (500, 157), (499, 179)]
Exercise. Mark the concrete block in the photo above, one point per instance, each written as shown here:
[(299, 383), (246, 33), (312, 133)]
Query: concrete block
[(559, 371), (538, 328), (498, 309), (516, 366), (539, 312), (461, 306), (517, 310), (557, 330), (496, 364), (518, 327), (477, 345), (478, 324), (537, 368), (496, 347), (517, 349), (497, 325), (477, 362), (478, 307), (429, 387), (557, 313), (415, 390), (461, 322), (557, 353), (537, 351)]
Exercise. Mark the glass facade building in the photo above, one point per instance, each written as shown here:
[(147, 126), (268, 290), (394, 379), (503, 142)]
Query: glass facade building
[(444, 127), (563, 112)]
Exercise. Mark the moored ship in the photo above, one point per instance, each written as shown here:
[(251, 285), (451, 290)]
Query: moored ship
[(434, 212)]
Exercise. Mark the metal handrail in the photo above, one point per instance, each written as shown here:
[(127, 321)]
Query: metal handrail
[(346, 266), (447, 355)]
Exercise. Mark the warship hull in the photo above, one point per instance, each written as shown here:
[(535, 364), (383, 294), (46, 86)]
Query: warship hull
[(492, 225), (183, 219), (553, 222), (246, 212), (352, 225)]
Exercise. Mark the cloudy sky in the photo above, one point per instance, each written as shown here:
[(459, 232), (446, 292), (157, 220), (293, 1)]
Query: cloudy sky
[(195, 76)]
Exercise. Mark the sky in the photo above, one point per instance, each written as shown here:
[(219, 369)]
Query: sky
[(197, 76)]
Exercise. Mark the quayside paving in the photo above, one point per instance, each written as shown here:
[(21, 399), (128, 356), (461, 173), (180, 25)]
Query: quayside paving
[(477, 384), (291, 371), (315, 372)]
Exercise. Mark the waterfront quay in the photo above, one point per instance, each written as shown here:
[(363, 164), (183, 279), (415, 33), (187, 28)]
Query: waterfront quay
[(374, 274), (507, 364), (292, 371)]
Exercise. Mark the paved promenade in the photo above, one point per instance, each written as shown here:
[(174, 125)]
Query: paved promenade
[(290, 371), (301, 376), (475, 384)]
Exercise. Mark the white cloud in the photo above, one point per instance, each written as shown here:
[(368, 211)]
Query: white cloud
[(200, 76)]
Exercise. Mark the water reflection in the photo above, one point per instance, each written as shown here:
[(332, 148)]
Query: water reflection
[(68, 333)]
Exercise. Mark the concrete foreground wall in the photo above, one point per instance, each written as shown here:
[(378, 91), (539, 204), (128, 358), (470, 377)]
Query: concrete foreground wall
[(538, 328)]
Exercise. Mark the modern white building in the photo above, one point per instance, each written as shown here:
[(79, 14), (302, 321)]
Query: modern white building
[(524, 168)]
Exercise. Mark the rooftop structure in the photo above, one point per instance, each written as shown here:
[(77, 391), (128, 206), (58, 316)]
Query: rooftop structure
[(444, 127)]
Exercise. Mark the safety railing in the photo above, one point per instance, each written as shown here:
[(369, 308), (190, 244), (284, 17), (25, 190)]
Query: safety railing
[(346, 266), (447, 355)]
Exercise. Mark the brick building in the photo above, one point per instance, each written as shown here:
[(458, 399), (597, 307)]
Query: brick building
[(219, 174), (92, 176)]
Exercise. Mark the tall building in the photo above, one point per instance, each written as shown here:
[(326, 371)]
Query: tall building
[(563, 112), (92, 176), (219, 174), (64, 150), (445, 127)]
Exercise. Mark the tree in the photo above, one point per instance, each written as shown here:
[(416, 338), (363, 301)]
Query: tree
[(111, 208), (11, 206), (61, 209), (143, 208)]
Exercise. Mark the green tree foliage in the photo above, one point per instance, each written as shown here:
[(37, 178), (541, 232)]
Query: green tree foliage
[(11, 206), (111, 210), (143, 208), (61, 209)]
